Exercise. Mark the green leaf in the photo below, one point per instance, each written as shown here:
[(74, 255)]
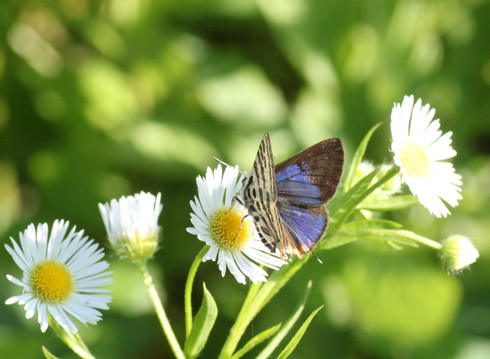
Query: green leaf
[(342, 207), (400, 236), (390, 204), (203, 323), (257, 298), (256, 340), (47, 353), (275, 283), (371, 224), (252, 293), (73, 340), (351, 231), (347, 204), (274, 343), (297, 337), (188, 289), (357, 159)]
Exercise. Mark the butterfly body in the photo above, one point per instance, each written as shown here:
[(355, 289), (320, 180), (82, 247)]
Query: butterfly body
[(287, 202)]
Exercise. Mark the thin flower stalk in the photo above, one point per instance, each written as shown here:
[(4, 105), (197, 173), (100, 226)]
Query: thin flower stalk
[(160, 311)]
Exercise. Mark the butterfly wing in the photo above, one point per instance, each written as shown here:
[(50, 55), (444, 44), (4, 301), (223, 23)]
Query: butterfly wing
[(304, 226), (259, 193), (312, 176), (305, 182), (287, 203)]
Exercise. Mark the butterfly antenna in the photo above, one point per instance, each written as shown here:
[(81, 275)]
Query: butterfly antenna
[(224, 163), (318, 259)]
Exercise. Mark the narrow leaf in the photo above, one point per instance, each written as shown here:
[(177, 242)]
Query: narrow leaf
[(348, 203), (342, 207), (274, 343), (256, 340), (254, 303), (353, 231), (390, 204), (48, 354), (297, 337), (371, 224), (202, 325), (188, 289), (357, 159), (396, 236), (252, 293), (275, 283)]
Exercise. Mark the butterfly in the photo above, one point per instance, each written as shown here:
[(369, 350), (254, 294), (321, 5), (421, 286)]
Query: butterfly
[(287, 202)]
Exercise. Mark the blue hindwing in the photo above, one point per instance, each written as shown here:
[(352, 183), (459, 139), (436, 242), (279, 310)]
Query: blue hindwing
[(305, 182), (304, 225)]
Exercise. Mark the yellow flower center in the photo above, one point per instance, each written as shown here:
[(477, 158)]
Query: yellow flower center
[(230, 229), (51, 281), (414, 160)]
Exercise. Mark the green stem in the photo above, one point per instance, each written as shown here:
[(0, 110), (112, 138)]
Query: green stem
[(81, 349), (239, 327), (258, 296), (337, 224), (188, 290), (73, 340), (252, 293), (157, 304), (427, 242)]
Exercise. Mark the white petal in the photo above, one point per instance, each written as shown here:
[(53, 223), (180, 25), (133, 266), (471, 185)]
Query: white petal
[(441, 185)]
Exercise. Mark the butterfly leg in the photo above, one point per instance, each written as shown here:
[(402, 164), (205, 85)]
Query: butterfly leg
[(241, 224), (238, 199)]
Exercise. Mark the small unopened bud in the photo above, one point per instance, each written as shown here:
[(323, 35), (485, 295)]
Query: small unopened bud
[(132, 225), (458, 252)]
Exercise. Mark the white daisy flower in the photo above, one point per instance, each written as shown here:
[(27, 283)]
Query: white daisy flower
[(225, 227), (61, 276), (132, 225), (420, 150)]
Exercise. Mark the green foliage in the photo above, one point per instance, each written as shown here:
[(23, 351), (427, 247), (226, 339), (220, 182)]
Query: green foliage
[(286, 328), (350, 176), (256, 340), (202, 325), (48, 354), (428, 299), (293, 343), (103, 99), (390, 204)]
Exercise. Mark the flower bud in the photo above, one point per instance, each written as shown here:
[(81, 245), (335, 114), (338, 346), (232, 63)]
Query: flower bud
[(132, 225), (458, 252)]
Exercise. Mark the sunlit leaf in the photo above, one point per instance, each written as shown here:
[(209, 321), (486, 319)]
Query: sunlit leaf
[(274, 343), (48, 354), (202, 325), (297, 337), (342, 207), (254, 303), (357, 159), (382, 230), (389, 204), (256, 340)]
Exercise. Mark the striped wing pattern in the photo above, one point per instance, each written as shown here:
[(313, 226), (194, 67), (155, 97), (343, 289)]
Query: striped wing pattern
[(259, 193), (287, 202)]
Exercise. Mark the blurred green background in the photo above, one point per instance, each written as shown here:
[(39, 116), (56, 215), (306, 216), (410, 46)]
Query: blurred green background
[(100, 99)]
